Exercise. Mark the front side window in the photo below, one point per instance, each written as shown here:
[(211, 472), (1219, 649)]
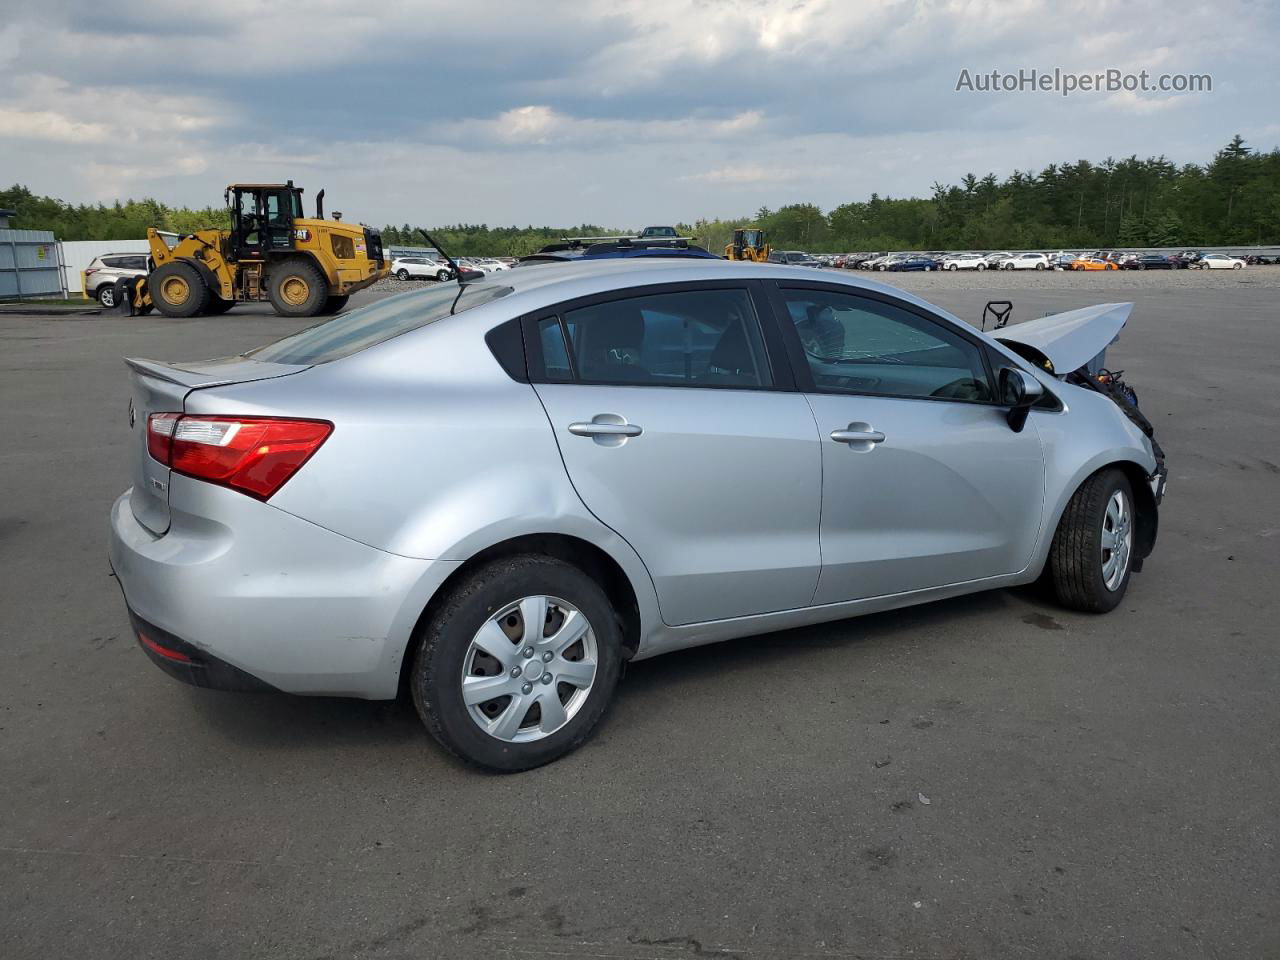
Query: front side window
[(856, 344), (691, 338)]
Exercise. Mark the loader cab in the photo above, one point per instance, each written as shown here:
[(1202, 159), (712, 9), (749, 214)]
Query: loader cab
[(749, 243), (262, 216)]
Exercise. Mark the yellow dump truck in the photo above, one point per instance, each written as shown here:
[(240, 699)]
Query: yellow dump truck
[(304, 266)]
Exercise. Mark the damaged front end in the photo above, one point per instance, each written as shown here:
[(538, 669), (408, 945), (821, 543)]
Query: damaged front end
[(1072, 346)]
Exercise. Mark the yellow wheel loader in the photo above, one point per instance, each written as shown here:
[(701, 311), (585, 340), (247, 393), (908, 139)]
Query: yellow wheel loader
[(305, 267), (749, 243)]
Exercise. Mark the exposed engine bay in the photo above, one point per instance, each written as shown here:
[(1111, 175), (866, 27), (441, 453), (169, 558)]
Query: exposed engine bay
[(1077, 342)]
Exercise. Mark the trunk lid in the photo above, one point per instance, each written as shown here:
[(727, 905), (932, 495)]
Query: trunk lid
[(162, 388), (1071, 340)]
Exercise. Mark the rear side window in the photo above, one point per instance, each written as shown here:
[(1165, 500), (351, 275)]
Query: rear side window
[(855, 344), (360, 329), (692, 338)]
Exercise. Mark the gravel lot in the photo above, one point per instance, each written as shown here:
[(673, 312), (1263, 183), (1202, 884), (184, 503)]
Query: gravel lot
[(984, 777)]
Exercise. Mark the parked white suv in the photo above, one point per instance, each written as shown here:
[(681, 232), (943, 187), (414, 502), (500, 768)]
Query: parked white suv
[(98, 279), (964, 261), (420, 268), (1026, 261)]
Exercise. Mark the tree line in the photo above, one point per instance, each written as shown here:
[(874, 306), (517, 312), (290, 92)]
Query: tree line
[(1234, 199)]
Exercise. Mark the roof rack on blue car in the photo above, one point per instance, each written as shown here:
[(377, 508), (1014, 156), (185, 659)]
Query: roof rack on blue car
[(615, 248)]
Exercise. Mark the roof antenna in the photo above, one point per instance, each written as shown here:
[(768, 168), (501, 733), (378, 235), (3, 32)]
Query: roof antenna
[(458, 273)]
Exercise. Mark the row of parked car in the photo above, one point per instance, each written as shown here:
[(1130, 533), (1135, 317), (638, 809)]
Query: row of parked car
[(1006, 260), (427, 268)]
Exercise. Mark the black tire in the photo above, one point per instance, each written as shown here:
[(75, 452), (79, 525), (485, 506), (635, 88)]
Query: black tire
[(402, 274), (297, 288), (217, 306), (178, 290), (443, 643), (442, 275), (1039, 266), (1076, 557), (106, 296), (982, 266), (335, 304)]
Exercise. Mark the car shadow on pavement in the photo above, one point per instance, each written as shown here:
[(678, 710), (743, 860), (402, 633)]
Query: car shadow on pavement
[(765, 651), (284, 722)]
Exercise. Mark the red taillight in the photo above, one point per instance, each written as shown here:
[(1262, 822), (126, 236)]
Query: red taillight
[(160, 435), (165, 652), (254, 455)]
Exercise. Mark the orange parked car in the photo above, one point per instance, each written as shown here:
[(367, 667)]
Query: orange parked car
[(1092, 263)]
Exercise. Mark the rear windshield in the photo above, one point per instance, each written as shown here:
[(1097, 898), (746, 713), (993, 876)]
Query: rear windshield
[(352, 332)]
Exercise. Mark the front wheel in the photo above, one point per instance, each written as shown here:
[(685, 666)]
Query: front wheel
[(1236, 266), (519, 664), (982, 266), (1090, 560), (1039, 266), (442, 275)]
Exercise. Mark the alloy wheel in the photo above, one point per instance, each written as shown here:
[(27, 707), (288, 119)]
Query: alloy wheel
[(1117, 540)]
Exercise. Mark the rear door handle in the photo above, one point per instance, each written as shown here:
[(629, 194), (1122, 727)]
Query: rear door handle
[(854, 436), (605, 429)]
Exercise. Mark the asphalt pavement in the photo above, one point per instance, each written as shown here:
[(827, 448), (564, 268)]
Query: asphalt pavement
[(985, 777)]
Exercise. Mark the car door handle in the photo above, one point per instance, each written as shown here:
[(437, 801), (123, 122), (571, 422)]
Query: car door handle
[(605, 429), (860, 434)]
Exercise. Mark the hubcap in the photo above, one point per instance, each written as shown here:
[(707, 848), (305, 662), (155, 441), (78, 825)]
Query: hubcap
[(108, 297), (175, 290), (529, 669), (295, 291), (1117, 540)]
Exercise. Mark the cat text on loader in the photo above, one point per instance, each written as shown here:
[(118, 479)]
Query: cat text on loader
[(749, 243), (304, 266)]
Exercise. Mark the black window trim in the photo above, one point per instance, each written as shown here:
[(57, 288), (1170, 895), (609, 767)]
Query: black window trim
[(775, 351), (803, 375)]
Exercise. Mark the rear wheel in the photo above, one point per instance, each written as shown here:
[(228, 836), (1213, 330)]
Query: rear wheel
[(177, 290), (518, 664), (335, 304), (106, 295), (402, 274), (298, 288), (1090, 560)]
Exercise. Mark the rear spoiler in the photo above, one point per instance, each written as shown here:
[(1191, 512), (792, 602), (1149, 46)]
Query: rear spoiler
[(211, 373)]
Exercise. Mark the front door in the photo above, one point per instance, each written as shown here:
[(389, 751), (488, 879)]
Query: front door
[(924, 483), (676, 434)]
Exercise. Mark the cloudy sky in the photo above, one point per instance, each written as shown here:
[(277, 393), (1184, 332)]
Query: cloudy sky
[(606, 111)]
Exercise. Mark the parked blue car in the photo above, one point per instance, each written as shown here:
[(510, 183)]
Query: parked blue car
[(917, 263)]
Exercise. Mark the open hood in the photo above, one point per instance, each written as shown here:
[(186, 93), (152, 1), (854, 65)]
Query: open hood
[(1070, 340)]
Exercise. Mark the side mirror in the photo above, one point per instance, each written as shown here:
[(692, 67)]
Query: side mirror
[(1018, 391)]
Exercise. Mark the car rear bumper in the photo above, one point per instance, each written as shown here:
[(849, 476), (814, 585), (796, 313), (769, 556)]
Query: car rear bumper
[(255, 597)]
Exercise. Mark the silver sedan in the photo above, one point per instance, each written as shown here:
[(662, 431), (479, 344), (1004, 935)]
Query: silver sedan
[(492, 494)]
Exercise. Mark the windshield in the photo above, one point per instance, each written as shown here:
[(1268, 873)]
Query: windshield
[(352, 332)]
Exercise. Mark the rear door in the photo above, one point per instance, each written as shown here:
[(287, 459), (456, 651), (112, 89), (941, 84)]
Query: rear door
[(680, 434), (924, 483)]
